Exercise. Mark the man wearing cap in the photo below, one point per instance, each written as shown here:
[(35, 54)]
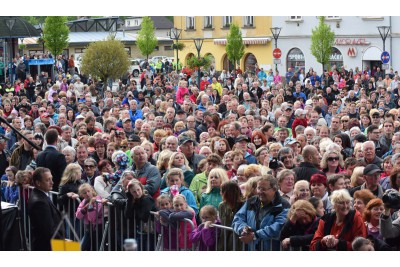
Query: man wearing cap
[(241, 143), (5, 155), (371, 176), (127, 126), (186, 146)]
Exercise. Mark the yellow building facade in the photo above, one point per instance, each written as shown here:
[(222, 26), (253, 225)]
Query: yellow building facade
[(256, 35)]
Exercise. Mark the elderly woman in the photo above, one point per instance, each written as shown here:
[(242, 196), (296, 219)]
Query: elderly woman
[(319, 185), (286, 180), (163, 160), (90, 171), (300, 227), (69, 153), (175, 178), (261, 218), (358, 153), (337, 230), (332, 162), (301, 191)]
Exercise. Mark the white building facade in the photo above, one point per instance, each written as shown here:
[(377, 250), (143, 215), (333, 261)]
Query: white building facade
[(357, 41)]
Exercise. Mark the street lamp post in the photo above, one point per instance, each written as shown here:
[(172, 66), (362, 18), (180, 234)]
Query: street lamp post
[(198, 42), (175, 34), (384, 31), (10, 25), (275, 33), (41, 25)]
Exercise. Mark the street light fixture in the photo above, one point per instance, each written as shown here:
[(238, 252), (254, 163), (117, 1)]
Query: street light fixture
[(198, 42), (384, 31), (275, 33), (41, 26), (175, 33)]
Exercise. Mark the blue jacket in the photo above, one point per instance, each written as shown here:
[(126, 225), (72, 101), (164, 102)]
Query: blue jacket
[(250, 158), (134, 116), (191, 201), (268, 230)]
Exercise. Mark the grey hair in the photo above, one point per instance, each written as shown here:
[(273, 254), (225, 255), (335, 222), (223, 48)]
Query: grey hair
[(90, 160), (394, 158), (126, 172), (366, 143), (355, 128), (70, 149)]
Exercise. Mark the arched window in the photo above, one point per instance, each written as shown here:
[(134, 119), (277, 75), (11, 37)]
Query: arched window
[(336, 58), (295, 59), (227, 64), (250, 63)]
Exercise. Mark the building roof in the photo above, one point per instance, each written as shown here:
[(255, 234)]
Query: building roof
[(160, 23), (90, 37), (20, 28)]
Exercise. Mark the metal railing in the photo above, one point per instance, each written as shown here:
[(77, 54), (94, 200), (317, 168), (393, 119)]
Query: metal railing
[(109, 232)]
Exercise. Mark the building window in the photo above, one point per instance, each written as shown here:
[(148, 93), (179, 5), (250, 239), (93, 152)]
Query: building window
[(330, 18), (295, 18), (136, 22), (295, 59), (190, 23), (208, 22), (248, 21), (128, 23), (226, 21), (157, 48), (168, 48), (336, 58), (80, 50)]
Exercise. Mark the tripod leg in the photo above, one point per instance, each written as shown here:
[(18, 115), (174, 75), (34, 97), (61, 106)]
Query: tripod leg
[(103, 239)]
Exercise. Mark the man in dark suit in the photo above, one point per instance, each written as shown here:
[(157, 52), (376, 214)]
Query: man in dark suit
[(52, 159), (43, 214)]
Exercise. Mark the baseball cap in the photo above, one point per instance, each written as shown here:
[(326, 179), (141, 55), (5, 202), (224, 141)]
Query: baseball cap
[(309, 102), (300, 111), (45, 115), (373, 112), (126, 119), (371, 169), (242, 137), (80, 117), (134, 138), (185, 139), (290, 141)]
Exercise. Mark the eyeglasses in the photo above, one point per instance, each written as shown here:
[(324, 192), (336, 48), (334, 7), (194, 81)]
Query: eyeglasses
[(376, 132), (375, 117), (89, 166), (123, 147), (41, 111), (345, 121), (333, 158)]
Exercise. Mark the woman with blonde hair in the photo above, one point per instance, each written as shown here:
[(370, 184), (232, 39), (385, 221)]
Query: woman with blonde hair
[(249, 188), (332, 162), (212, 196), (301, 191), (178, 160), (68, 197), (357, 177), (358, 153)]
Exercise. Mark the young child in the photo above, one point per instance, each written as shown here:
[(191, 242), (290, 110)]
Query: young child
[(205, 233), (176, 216), (167, 235), (91, 211), (11, 190)]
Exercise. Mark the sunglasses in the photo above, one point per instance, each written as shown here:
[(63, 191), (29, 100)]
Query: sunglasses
[(89, 166), (375, 117), (333, 158), (123, 147)]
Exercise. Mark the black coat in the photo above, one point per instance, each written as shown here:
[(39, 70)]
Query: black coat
[(44, 219), (300, 235), (55, 161), (305, 171)]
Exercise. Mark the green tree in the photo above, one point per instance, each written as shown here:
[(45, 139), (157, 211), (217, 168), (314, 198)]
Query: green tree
[(55, 34), (146, 39), (234, 45), (105, 59), (322, 39)]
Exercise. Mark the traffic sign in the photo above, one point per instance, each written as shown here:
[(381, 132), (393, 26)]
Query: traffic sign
[(277, 53), (277, 61), (385, 57), (385, 66)]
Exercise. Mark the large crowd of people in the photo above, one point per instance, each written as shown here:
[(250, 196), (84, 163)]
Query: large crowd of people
[(299, 161)]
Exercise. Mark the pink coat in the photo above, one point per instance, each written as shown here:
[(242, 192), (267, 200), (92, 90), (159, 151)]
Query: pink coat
[(180, 93), (91, 217)]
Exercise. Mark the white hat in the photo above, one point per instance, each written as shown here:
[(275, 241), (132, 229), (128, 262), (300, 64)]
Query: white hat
[(80, 117), (309, 102)]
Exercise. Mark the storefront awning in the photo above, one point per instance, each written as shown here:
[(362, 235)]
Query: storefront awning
[(246, 41)]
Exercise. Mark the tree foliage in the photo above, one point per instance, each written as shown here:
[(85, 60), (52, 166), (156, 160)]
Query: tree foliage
[(322, 39), (105, 59), (234, 46), (146, 39), (55, 34)]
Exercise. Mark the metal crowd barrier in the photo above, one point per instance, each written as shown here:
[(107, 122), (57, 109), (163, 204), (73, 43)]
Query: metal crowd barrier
[(109, 235)]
